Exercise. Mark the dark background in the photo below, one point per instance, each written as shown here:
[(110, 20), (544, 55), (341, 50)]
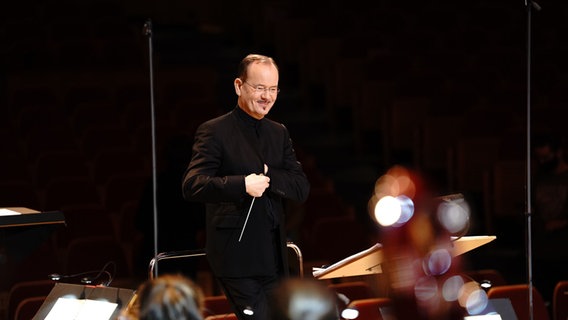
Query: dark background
[(438, 86)]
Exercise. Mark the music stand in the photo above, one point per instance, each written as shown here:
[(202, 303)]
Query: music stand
[(21, 216), (22, 232), (72, 301), (369, 261)]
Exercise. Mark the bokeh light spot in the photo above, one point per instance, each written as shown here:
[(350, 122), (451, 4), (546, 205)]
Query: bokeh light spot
[(406, 209), (476, 302), (454, 216), (451, 288), (438, 262), (387, 211), (426, 289)]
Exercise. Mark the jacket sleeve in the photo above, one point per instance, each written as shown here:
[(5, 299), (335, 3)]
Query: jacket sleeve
[(201, 181)]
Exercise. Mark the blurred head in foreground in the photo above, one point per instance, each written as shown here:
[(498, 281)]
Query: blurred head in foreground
[(304, 299), (168, 297)]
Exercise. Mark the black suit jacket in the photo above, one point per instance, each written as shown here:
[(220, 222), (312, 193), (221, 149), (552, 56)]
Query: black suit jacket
[(225, 150)]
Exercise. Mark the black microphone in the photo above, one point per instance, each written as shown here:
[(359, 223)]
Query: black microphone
[(56, 276), (147, 27), (60, 277)]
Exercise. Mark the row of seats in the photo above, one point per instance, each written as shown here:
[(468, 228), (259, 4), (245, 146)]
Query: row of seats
[(373, 307), (25, 298), (30, 294)]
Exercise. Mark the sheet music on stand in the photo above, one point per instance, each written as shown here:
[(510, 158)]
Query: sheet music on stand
[(68, 301), (369, 261), (79, 309)]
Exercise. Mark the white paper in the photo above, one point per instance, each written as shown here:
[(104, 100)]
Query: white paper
[(8, 212), (81, 309)]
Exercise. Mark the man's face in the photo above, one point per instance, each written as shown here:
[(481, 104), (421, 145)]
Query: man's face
[(259, 91)]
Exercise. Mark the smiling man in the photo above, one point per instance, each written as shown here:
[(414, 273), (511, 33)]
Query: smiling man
[(244, 167)]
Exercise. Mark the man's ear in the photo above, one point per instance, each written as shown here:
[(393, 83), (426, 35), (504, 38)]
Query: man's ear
[(238, 83)]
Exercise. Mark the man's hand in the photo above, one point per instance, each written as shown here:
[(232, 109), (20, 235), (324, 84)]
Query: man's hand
[(256, 184)]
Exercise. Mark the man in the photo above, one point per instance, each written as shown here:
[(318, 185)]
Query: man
[(244, 167)]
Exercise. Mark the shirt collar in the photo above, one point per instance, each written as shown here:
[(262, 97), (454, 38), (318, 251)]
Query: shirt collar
[(247, 119)]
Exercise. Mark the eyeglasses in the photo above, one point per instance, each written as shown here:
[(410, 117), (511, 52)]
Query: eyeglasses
[(261, 89)]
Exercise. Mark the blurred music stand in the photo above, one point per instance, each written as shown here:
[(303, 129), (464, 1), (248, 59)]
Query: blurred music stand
[(369, 261)]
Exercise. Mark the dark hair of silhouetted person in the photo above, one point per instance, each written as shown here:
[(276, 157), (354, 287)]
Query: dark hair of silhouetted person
[(170, 297)]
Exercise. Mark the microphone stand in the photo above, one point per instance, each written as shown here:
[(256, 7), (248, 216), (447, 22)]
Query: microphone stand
[(148, 33), (530, 5)]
